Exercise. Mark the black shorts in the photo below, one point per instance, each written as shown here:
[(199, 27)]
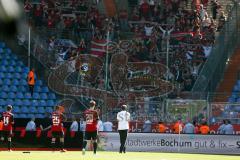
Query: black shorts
[(57, 134), (6, 134), (91, 135)]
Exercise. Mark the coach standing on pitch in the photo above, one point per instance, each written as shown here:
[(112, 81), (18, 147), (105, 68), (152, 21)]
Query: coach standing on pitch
[(123, 118)]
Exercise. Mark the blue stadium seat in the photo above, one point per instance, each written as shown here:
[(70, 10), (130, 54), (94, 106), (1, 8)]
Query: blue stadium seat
[(2, 102), (25, 69), (39, 83), (52, 96), (26, 102), (41, 109), (4, 62), (11, 69), (8, 50), (30, 115), (24, 75), (3, 69), (1, 51), (20, 64), (1, 109), (36, 96), (6, 82), (49, 109), (13, 89), (6, 57), (3, 95), (19, 95), (16, 109), (1, 82), (27, 95), (11, 95), (22, 115), (18, 69), (12, 62), (39, 116), (5, 88), (32, 109), (43, 96), (8, 75), (14, 57), (22, 89), (15, 82), (17, 75), (16, 115), (34, 103), (9, 102), (2, 75), (235, 89), (231, 100), (24, 109), (45, 89), (37, 89), (50, 103), (18, 102), (42, 103), (23, 82)]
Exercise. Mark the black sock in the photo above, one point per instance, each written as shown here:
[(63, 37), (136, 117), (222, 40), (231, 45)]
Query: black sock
[(94, 147), (84, 144), (62, 145), (53, 145), (9, 145)]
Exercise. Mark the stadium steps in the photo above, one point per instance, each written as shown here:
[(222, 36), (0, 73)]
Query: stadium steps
[(110, 7), (229, 79)]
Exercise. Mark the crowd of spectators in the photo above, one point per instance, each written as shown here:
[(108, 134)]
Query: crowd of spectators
[(190, 31), (186, 28)]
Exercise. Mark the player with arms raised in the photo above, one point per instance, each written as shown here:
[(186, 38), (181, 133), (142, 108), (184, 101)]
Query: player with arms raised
[(57, 128), (8, 121), (91, 117)]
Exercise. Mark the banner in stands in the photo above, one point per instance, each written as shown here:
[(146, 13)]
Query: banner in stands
[(150, 142)]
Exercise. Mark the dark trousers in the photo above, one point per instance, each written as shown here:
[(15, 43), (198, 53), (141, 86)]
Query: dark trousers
[(31, 87), (123, 137)]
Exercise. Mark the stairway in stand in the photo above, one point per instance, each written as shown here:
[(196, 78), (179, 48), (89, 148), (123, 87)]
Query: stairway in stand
[(110, 7), (230, 78)]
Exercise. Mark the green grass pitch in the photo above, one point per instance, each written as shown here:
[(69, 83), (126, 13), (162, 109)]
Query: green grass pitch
[(75, 155)]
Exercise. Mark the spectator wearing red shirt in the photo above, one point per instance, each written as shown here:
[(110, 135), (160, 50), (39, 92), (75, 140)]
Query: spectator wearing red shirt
[(38, 15), (50, 22), (68, 22), (144, 10), (27, 8)]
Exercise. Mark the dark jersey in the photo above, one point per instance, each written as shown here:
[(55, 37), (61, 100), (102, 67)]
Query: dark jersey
[(57, 119), (7, 121), (91, 117)]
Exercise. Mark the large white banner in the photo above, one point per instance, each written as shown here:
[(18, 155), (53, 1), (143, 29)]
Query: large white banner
[(152, 142)]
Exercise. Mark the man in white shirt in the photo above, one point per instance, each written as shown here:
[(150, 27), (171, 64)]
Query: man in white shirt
[(107, 126), (31, 126), (74, 125), (100, 126), (123, 118)]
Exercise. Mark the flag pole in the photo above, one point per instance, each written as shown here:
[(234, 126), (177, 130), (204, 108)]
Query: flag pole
[(106, 63)]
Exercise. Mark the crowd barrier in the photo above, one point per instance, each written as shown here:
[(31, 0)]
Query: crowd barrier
[(137, 142)]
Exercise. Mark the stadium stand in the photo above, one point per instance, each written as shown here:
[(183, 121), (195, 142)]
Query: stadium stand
[(14, 89)]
